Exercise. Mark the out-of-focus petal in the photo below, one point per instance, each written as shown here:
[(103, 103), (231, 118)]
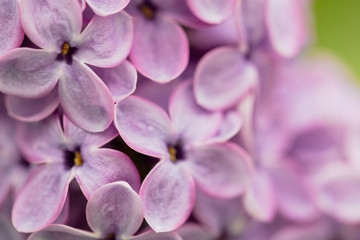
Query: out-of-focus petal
[(42, 198), (144, 126), (11, 33), (168, 193), (156, 236), (316, 230), (191, 231), (62, 232), (120, 80), (104, 166), (160, 50), (29, 73), (106, 41), (285, 26), (222, 77), (42, 141), (33, 109), (212, 11), (50, 23), (104, 7), (230, 126), (85, 98), (221, 169), (115, 209), (192, 122), (7, 231)]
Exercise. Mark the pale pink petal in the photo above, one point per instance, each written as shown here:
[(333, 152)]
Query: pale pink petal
[(115, 209), (29, 73), (192, 122), (42, 198), (223, 77), (120, 80), (11, 33), (62, 232), (192, 231), (85, 98), (50, 23), (285, 25), (104, 166), (260, 199), (105, 7), (64, 214), (168, 193), (230, 126), (156, 236), (144, 126), (106, 41), (33, 109), (82, 4), (42, 141), (220, 169), (160, 50), (211, 11)]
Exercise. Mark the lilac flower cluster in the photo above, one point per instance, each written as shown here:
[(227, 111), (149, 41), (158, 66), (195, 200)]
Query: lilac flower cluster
[(216, 127)]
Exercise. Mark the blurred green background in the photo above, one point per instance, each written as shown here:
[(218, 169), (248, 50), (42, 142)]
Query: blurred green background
[(337, 28)]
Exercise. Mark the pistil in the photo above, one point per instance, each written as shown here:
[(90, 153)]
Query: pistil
[(78, 160)]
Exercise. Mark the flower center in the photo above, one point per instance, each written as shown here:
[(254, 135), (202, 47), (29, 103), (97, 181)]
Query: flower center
[(176, 152), (65, 49), (111, 236), (73, 158), (66, 53), (148, 9)]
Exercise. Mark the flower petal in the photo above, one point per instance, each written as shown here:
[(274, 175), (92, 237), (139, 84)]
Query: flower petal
[(168, 193), (221, 169), (230, 126), (31, 110), (104, 8), (42, 141), (156, 236), (42, 198), (191, 121), (212, 11), (106, 41), (222, 77), (10, 27), (144, 126), (285, 25), (104, 166), (50, 23), (115, 208), (120, 80), (161, 49), (62, 232), (7, 231), (85, 98), (29, 73), (191, 231)]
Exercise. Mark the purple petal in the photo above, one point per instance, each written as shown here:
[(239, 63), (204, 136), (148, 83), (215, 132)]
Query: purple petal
[(191, 231), (104, 166), (5, 179), (31, 110), (222, 169), (42, 198), (115, 208), (161, 49), (104, 8), (156, 236), (62, 232), (191, 121), (29, 73), (316, 230), (144, 126), (168, 193), (85, 98), (42, 141), (10, 27), (120, 80), (285, 25), (106, 41), (7, 231), (222, 77), (230, 126), (211, 11), (50, 23)]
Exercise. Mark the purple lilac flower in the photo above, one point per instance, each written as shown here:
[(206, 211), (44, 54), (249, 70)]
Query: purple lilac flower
[(114, 211), (62, 155), (55, 26), (187, 158)]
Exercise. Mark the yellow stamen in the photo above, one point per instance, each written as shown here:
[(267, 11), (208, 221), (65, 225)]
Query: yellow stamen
[(147, 11), (172, 152), (78, 160), (65, 49)]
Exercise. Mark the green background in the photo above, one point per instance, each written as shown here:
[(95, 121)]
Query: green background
[(337, 28)]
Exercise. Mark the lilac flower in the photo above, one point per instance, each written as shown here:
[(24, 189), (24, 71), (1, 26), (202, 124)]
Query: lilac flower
[(11, 33), (55, 26), (218, 168), (114, 211), (62, 155), (105, 7)]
